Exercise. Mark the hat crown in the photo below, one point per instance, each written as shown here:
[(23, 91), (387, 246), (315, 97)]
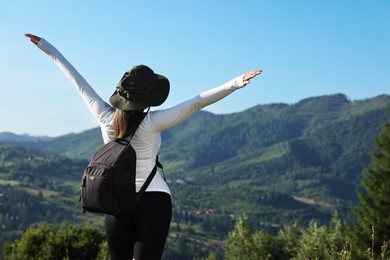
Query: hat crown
[(140, 80), (140, 88)]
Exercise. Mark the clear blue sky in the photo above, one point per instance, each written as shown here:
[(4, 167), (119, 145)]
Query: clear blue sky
[(306, 48)]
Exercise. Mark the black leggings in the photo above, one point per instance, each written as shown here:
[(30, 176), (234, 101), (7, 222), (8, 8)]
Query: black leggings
[(142, 234)]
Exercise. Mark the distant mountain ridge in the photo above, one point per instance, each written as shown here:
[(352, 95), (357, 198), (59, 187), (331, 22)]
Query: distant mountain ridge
[(81, 145), (11, 137), (275, 162)]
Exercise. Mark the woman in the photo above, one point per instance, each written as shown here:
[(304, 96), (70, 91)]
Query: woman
[(142, 234)]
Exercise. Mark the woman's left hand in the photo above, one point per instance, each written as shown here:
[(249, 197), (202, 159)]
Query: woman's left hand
[(33, 38), (250, 75)]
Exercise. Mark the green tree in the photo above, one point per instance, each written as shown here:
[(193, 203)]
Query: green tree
[(68, 242), (321, 242), (103, 252), (372, 226), (289, 236), (239, 243), (33, 243), (243, 242)]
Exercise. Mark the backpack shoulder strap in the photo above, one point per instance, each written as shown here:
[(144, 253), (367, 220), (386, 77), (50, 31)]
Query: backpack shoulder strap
[(134, 123)]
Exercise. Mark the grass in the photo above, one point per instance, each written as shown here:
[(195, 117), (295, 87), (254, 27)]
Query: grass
[(370, 251), (45, 192), (346, 251), (9, 182)]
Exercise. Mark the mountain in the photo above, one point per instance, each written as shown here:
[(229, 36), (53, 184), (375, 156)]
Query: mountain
[(11, 137), (81, 145), (275, 162)]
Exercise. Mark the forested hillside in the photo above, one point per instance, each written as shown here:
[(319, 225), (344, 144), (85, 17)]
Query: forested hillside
[(37, 186), (276, 163)]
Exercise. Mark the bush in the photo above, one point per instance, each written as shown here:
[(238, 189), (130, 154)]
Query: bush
[(68, 242)]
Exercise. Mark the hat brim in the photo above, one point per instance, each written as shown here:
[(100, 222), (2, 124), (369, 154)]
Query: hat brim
[(158, 96)]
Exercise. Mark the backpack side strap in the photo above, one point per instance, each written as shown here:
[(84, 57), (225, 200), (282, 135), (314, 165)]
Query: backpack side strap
[(147, 182), (143, 188)]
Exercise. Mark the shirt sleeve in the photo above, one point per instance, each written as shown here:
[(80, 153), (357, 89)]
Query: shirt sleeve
[(101, 110), (167, 118)]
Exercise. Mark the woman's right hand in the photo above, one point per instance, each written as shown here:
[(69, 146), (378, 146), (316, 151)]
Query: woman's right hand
[(250, 75), (33, 38)]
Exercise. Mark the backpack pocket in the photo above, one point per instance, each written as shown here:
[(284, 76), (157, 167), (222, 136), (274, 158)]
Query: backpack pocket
[(97, 190)]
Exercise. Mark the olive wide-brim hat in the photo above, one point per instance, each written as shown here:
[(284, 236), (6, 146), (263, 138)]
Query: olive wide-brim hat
[(139, 89)]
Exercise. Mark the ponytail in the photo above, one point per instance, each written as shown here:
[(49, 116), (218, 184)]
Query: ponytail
[(121, 121)]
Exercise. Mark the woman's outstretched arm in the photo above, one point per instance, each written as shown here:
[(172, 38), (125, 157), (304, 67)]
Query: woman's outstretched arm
[(100, 109), (167, 118)]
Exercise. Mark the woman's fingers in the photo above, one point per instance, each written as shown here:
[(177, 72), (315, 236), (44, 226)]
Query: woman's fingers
[(250, 75), (33, 38)]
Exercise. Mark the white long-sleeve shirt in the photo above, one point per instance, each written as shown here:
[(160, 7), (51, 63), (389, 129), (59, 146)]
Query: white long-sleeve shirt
[(147, 139)]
